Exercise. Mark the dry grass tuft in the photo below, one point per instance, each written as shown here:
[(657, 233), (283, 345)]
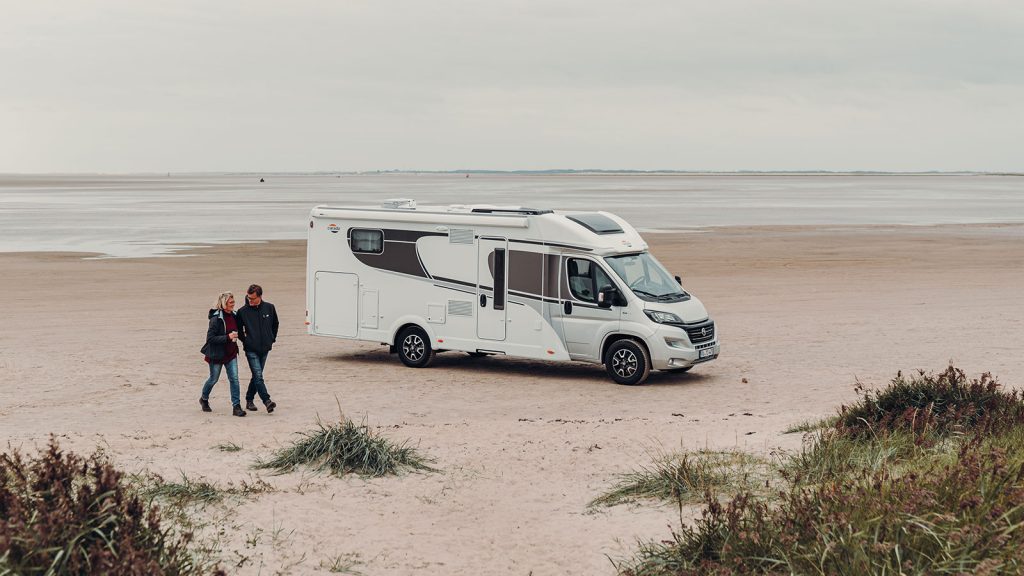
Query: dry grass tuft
[(685, 478), (346, 447)]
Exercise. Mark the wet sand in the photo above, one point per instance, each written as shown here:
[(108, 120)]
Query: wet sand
[(105, 353)]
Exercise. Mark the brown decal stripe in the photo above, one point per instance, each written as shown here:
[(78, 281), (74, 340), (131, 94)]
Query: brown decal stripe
[(525, 271), (578, 304), (408, 235), (454, 289), (534, 297), (453, 281), (396, 257), (399, 253), (551, 263)]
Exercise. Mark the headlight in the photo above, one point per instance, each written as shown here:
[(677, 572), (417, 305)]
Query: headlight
[(663, 317)]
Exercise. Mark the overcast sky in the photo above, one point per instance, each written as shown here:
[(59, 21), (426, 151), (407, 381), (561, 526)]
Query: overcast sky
[(136, 86)]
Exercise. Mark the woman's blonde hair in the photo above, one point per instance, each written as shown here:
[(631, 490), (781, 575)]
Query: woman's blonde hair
[(222, 300)]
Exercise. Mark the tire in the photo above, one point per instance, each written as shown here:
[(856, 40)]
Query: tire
[(628, 363), (413, 346)]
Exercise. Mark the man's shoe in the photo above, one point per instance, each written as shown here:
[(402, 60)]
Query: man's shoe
[(205, 404), (237, 410), (250, 406), (271, 406)]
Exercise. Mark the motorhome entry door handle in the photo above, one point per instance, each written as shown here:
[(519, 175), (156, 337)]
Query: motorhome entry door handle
[(483, 300), (568, 307)]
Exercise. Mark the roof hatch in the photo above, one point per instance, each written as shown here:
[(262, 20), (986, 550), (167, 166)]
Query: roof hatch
[(597, 223)]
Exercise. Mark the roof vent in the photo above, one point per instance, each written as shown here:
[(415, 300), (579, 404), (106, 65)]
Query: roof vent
[(399, 203), (597, 223)]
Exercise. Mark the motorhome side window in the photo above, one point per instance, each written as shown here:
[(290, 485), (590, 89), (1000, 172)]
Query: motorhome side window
[(367, 241), (585, 279)]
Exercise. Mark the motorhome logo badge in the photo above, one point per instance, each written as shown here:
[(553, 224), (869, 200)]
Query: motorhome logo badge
[(704, 331), (333, 228)]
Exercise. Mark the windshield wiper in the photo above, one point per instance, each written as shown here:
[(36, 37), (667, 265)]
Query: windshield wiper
[(673, 296), (645, 293)]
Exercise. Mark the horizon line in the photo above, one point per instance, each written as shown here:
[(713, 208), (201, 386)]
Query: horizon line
[(551, 171)]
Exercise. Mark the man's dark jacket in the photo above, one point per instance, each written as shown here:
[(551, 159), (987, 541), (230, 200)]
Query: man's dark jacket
[(257, 327)]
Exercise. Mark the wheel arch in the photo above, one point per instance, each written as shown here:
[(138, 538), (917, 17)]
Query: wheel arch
[(616, 336), (407, 321)]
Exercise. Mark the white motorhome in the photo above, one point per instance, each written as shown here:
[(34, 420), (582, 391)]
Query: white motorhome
[(499, 280)]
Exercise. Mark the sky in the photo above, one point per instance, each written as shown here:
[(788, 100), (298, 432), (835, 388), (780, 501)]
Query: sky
[(360, 85)]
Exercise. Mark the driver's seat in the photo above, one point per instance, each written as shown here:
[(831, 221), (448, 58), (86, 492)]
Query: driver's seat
[(579, 284)]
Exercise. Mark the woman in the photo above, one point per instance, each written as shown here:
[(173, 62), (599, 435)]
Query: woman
[(221, 350)]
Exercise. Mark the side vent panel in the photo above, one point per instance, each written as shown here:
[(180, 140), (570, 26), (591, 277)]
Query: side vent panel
[(460, 308), (460, 236)]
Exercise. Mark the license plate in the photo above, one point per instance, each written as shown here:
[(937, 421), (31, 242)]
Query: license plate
[(709, 352)]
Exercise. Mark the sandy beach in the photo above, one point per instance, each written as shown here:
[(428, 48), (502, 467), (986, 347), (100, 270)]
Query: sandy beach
[(105, 353)]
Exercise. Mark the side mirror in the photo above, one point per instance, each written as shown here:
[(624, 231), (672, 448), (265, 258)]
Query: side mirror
[(607, 296), (679, 280)]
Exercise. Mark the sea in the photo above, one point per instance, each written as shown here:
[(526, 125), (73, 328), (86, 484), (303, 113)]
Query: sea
[(118, 216)]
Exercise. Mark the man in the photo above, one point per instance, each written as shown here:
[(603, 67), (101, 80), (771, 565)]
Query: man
[(257, 329)]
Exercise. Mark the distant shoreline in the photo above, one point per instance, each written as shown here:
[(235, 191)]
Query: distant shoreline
[(194, 249), (551, 172), (152, 215)]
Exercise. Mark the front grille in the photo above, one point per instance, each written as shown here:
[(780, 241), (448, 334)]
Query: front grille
[(701, 332)]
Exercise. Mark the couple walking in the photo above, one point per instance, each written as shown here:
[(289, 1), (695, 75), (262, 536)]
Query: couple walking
[(255, 324)]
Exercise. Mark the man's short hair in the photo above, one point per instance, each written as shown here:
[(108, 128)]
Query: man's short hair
[(255, 289)]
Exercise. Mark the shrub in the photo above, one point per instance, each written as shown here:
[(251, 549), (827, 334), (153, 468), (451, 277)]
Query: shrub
[(941, 403), (961, 517), (923, 477), (346, 447), (61, 513)]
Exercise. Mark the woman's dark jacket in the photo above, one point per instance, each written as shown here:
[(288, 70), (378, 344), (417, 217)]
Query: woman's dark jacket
[(216, 336)]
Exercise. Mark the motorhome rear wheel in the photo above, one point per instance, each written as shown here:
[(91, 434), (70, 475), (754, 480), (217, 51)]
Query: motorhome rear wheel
[(414, 347)]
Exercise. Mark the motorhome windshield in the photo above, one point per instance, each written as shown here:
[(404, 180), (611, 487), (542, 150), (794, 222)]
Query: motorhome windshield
[(647, 278)]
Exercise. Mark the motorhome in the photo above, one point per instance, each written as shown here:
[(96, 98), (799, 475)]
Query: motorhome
[(512, 281)]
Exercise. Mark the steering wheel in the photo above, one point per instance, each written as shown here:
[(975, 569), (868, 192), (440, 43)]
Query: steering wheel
[(637, 283)]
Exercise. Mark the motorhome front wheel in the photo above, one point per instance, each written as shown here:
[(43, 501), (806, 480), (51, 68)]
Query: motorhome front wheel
[(414, 347), (628, 362)]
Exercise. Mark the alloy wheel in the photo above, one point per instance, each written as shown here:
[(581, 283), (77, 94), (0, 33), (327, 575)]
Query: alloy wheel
[(413, 347), (624, 363)]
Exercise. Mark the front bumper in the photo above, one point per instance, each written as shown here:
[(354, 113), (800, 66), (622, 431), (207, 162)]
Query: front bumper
[(671, 349)]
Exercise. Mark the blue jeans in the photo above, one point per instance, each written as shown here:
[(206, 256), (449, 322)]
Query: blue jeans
[(232, 379), (257, 364)]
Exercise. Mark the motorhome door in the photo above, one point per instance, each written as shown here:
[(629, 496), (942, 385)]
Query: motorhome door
[(582, 319), (335, 309), (492, 288)]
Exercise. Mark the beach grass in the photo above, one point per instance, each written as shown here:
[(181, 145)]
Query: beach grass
[(61, 513), (684, 478), (343, 564), (347, 447), (925, 476), (810, 426), (228, 447), (184, 491)]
